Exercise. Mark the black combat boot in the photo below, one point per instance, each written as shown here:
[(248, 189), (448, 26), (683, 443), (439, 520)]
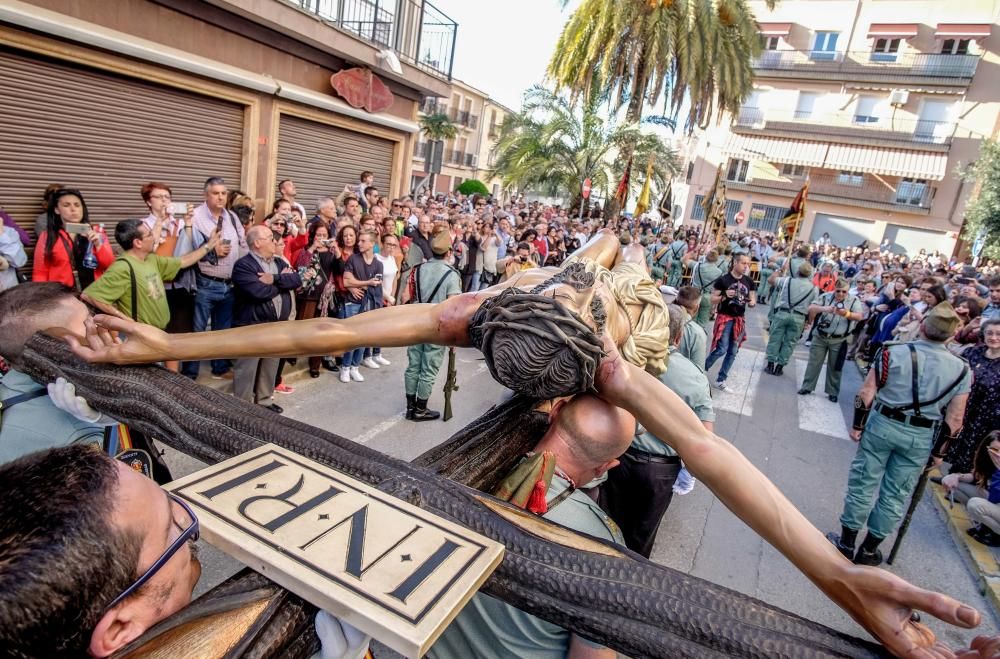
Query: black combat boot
[(778, 369), (421, 413), (411, 405), (844, 542), (769, 368), (869, 553)]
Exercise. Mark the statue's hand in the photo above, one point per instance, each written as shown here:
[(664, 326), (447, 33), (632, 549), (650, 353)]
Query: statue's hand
[(143, 344), (614, 375), (884, 605)]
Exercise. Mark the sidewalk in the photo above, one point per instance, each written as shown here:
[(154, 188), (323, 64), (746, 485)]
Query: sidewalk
[(982, 559), (290, 375)]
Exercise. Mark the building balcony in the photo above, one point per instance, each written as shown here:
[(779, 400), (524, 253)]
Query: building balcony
[(494, 132), (866, 191), (930, 68), (846, 126), (470, 160), (420, 150), (464, 118), (433, 106), (418, 32)]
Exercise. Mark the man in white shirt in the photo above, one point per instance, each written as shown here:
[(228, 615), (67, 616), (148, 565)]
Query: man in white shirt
[(286, 189)]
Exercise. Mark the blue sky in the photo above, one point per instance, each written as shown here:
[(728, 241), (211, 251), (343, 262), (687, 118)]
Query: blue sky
[(504, 47)]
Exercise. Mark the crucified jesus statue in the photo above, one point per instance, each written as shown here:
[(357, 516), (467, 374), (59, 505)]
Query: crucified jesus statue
[(597, 323)]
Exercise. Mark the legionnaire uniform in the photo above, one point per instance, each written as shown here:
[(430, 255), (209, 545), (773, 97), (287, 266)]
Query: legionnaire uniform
[(658, 258), (829, 343), (703, 275), (433, 281), (916, 381), (487, 627), (765, 290), (694, 342), (638, 491), (677, 250), (789, 307)]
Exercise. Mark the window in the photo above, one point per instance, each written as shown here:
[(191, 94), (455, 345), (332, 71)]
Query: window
[(698, 211), (885, 50), (955, 46), (690, 172), (824, 46), (769, 43), (732, 208), (805, 105), (794, 171), (854, 179), (866, 110), (737, 170), (766, 218), (912, 192)]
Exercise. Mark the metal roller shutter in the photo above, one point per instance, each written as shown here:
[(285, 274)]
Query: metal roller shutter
[(322, 159), (107, 135)]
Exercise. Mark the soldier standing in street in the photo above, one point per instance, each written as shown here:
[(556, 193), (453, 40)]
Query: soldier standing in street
[(703, 275), (789, 308), (430, 282), (912, 402), (835, 315), (677, 250)]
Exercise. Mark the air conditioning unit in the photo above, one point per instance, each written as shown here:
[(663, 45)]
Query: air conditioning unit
[(899, 96)]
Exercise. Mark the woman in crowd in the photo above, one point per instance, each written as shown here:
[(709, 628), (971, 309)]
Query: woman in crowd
[(70, 244), (318, 265), (557, 248), (893, 297), (979, 490), (12, 256), (982, 412), (347, 244), (907, 328)]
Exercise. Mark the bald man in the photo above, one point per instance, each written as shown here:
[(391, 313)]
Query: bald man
[(586, 436), (264, 286)]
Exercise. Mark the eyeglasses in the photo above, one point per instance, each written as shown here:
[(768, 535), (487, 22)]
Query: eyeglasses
[(279, 224), (192, 533), (165, 197)]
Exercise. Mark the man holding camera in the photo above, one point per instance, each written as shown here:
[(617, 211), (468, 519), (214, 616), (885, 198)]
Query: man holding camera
[(519, 261), (835, 315)]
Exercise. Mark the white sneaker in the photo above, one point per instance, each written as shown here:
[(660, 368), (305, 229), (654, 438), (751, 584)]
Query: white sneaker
[(345, 374), (809, 343), (721, 386), (382, 361), (370, 363), (356, 374)]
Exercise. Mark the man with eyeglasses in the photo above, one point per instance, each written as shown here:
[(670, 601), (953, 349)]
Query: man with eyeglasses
[(835, 315)]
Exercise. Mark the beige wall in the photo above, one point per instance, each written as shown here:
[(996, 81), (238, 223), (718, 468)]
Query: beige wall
[(976, 108)]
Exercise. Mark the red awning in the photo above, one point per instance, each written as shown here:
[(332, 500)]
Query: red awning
[(775, 29), (967, 30), (904, 30)]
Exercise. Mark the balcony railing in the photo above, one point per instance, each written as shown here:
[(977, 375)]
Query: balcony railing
[(420, 150), (841, 125), (433, 106), (419, 33), (470, 160), (929, 65), (464, 118), (867, 191)]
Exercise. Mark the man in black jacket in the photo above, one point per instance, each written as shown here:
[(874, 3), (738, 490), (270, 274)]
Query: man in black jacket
[(265, 287)]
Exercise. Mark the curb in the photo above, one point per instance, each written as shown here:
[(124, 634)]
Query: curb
[(982, 559), (289, 375)]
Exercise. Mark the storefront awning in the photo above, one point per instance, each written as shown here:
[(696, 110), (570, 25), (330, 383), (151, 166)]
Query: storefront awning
[(772, 149), (965, 30), (904, 30), (775, 29), (892, 162)]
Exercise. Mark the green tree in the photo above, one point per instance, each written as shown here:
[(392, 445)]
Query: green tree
[(636, 51), (436, 127), (982, 213), (552, 145), (473, 186)]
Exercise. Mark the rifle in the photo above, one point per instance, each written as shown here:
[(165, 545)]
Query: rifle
[(450, 384)]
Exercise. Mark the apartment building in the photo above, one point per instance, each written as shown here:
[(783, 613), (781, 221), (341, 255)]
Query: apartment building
[(877, 103), (105, 96), (470, 154)]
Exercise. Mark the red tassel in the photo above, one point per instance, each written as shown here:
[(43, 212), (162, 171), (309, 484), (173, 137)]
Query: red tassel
[(536, 501)]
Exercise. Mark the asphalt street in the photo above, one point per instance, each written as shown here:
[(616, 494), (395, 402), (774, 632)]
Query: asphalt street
[(800, 442)]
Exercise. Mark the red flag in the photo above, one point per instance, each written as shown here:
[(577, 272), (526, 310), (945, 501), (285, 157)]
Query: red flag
[(621, 194)]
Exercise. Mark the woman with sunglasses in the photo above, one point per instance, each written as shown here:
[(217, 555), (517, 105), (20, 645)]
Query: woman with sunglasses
[(318, 265), (70, 250)]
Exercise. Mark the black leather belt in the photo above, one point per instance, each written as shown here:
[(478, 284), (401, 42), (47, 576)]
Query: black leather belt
[(800, 313), (642, 456), (832, 336), (902, 417), (221, 280)]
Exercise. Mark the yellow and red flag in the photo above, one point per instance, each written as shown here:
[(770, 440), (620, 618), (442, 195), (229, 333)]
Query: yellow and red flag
[(790, 223)]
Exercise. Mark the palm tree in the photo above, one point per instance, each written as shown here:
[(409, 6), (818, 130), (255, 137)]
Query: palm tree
[(552, 145), (634, 51), (436, 127)]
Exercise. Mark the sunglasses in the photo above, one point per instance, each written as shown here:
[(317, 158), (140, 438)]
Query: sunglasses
[(192, 532)]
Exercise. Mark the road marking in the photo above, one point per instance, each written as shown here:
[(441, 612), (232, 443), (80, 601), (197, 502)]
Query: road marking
[(389, 423), (743, 379), (816, 413)]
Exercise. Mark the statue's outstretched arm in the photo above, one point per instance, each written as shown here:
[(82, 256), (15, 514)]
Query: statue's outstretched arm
[(878, 600)]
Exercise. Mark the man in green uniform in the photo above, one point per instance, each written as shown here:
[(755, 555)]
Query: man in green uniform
[(694, 338), (912, 402), (677, 250), (703, 275), (586, 437), (767, 268), (430, 282), (789, 307), (659, 258), (638, 492), (134, 282), (835, 315)]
